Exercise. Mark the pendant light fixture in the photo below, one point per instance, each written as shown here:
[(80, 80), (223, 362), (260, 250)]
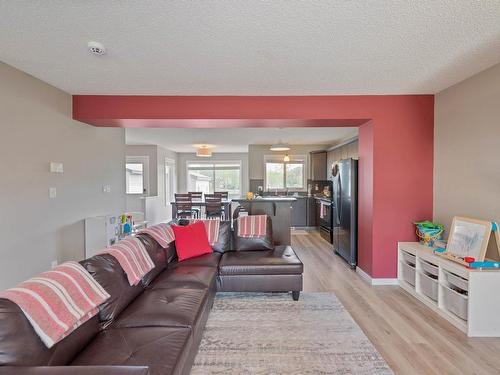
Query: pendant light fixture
[(280, 147), (203, 151), (286, 158)]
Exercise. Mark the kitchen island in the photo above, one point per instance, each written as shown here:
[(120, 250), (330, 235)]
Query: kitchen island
[(279, 209)]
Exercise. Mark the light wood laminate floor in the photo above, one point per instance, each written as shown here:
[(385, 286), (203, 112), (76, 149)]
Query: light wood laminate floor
[(411, 338)]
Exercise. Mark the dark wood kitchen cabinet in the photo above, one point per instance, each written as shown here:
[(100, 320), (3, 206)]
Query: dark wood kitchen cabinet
[(311, 212), (318, 165), (305, 212), (317, 204), (299, 212)]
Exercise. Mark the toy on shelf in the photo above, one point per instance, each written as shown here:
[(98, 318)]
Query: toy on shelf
[(428, 232), (126, 225), (470, 243), (485, 265)]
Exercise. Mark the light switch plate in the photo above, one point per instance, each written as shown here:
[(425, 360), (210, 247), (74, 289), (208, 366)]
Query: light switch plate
[(106, 188), (52, 193), (56, 167)]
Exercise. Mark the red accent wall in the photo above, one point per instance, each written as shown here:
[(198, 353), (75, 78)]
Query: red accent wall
[(365, 198), (395, 147)]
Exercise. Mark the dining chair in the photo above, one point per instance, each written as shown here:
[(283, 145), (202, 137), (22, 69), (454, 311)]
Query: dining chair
[(184, 206), (224, 195), (213, 206), (196, 195)]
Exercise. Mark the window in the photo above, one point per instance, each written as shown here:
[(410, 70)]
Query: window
[(294, 176), (275, 173), (135, 178), (209, 177), (136, 172), (280, 175)]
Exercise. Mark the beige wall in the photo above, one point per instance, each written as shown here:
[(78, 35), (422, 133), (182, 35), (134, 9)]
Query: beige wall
[(467, 149), (36, 128)]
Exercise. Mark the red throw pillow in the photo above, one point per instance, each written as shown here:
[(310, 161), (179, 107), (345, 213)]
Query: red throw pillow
[(191, 240)]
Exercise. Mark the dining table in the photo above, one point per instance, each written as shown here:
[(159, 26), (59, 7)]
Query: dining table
[(225, 203)]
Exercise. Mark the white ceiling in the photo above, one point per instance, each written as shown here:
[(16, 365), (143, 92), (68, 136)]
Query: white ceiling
[(234, 140), (251, 47)]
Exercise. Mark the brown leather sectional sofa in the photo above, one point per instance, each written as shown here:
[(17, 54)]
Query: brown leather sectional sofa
[(156, 326)]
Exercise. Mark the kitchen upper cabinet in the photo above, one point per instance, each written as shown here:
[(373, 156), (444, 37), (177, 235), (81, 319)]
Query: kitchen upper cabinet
[(318, 165)]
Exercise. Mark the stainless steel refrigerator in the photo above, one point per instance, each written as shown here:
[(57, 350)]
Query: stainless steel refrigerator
[(344, 176)]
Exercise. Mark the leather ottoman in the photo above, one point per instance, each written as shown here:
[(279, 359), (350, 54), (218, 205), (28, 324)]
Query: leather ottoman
[(277, 270)]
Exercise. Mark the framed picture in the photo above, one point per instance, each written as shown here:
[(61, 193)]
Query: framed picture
[(469, 238)]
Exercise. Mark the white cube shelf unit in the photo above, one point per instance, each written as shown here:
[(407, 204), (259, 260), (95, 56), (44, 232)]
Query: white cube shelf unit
[(468, 299)]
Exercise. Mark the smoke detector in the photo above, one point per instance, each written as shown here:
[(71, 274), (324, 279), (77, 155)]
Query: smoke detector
[(96, 48)]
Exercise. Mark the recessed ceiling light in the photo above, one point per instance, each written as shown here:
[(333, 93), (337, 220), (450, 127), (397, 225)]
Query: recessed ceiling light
[(96, 48)]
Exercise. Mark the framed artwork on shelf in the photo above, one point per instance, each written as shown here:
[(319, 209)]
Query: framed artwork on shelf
[(469, 241), (469, 238)]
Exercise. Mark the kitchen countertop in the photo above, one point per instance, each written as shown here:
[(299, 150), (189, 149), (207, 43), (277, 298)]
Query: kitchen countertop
[(266, 199), (324, 199)]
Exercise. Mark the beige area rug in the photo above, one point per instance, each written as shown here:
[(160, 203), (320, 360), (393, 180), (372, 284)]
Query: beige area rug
[(272, 334)]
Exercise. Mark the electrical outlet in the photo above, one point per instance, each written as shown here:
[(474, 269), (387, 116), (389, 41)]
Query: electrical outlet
[(56, 167), (53, 264), (52, 193)]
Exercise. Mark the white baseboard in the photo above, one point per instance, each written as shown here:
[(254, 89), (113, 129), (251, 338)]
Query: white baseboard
[(376, 281), (364, 275)]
